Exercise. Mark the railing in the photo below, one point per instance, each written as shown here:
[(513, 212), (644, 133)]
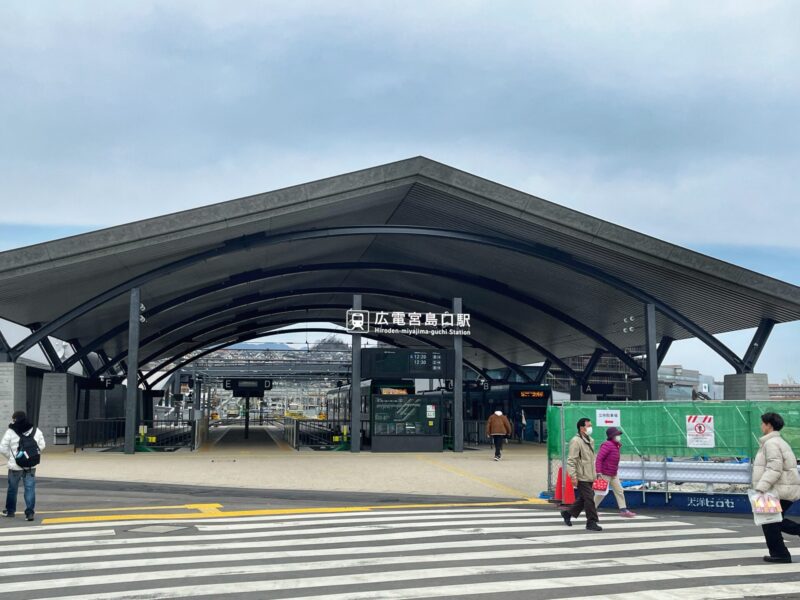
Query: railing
[(99, 433), (315, 433), (256, 420), (474, 432), (167, 434), (160, 434)]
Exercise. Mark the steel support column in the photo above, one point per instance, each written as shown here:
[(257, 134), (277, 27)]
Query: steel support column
[(543, 371), (355, 386), (592, 364), (4, 348), (650, 347), (663, 348), (52, 355), (757, 344), (197, 393), (131, 399), (458, 386), (87, 365)]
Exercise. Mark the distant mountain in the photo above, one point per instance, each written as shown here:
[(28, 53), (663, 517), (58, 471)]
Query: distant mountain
[(259, 346)]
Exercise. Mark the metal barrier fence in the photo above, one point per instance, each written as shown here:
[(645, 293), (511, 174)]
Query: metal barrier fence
[(168, 434), (474, 433), (657, 435), (99, 433), (318, 433), (156, 435)]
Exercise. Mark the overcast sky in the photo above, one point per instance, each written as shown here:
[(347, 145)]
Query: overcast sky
[(678, 119)]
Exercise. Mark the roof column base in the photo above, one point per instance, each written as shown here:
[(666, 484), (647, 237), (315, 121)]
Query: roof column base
[(746, 386)]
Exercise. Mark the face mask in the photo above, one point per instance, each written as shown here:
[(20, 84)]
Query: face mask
[(588, 431), (499, 413), (617, 438)]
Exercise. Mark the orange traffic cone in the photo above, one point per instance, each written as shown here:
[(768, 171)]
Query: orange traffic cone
[(569, 493)]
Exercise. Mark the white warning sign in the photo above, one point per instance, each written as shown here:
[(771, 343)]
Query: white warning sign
[(607, 418), (700, 431)]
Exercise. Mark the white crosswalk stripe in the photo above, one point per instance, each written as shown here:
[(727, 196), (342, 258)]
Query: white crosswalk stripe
[(393, 554)]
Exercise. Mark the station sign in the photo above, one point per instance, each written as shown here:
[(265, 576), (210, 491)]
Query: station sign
[(598, 389), (100, 384), (407, 323), (252, 387), (479, 384)]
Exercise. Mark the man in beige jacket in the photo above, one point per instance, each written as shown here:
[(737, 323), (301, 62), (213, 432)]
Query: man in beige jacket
[(775, 471), (581, 468)]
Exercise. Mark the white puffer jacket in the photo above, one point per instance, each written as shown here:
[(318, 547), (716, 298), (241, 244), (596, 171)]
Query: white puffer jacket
[(10, 445), (775, 468)]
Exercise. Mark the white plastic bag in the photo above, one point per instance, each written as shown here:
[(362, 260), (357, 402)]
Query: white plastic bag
[(766, 507)]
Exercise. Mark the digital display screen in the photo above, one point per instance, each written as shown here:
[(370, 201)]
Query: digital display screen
[(382, 363), (243, 383), (531, 394)]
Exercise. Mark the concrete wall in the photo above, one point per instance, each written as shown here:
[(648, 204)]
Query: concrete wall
[(58, 404), (13, 390)]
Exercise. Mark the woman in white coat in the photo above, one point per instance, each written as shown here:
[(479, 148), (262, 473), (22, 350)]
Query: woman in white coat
[(9, 447), (775, 470)]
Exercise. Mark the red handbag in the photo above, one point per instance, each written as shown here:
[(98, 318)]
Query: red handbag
[(600, 486)]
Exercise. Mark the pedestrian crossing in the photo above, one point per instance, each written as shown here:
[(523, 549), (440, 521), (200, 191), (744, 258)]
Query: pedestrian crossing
[(466, 553)]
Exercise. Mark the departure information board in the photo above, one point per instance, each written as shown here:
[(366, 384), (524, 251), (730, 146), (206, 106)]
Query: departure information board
[(402, 362)]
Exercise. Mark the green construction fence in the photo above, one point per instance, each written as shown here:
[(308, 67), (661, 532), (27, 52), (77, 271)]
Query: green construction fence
[(658, 429)]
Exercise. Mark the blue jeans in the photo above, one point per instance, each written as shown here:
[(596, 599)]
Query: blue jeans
[(29, 482)]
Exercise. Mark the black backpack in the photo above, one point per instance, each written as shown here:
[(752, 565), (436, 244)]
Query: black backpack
[(28, 454)]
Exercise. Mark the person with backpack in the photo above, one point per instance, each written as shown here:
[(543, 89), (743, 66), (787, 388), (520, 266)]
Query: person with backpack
[(22, 445)]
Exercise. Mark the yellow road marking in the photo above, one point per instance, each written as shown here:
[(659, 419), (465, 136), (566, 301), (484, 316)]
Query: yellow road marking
[(482, 480), (206, 509), (83, 510), (211, 514)]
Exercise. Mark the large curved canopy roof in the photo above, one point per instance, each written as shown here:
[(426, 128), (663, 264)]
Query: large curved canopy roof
[(541, 281)]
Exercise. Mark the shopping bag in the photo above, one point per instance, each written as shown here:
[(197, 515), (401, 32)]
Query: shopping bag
[(766, 507), (600, 487)]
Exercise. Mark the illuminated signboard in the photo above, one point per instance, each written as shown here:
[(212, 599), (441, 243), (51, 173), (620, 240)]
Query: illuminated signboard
[(531, 394)]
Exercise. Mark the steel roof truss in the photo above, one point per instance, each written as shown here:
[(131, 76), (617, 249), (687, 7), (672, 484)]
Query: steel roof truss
[(261, 239)]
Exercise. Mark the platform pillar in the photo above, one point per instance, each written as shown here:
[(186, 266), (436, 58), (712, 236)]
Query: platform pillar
[(355, 387), (458, 386)]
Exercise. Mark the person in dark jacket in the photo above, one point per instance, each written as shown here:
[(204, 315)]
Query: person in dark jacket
[(607, 466), (498, 428)]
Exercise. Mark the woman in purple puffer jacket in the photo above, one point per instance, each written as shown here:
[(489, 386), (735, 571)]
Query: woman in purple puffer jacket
[(607, 465)]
